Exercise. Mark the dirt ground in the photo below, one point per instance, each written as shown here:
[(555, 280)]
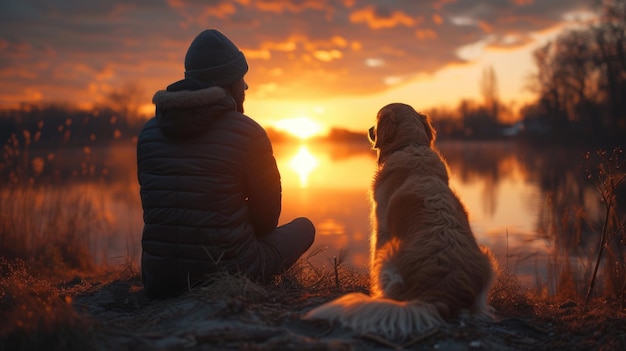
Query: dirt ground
[(244, 316)]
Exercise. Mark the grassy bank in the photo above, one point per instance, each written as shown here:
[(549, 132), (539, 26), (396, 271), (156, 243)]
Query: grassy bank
[(108, 310)]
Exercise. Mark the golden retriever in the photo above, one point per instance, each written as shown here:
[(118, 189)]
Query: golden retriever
[(426, 266)]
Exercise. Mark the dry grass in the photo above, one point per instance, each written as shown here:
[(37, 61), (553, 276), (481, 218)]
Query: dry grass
[(36, 314), (237, 312), (508, 296), (224, 285), (304, 284), (337, 277), (46, 251), (49, 228)]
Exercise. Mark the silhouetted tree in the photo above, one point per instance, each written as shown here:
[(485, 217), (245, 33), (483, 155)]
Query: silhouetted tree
[(478, 122), (126, 100), (551, 97), (578, 77), (446, 121), (610, 40), (489, 90), (581, 77)]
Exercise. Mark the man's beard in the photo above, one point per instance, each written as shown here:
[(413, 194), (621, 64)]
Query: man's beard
[(239, 102)]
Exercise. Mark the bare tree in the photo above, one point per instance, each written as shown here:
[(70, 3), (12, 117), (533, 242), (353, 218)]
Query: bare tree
[(126, 100), (610, 40), (551, 100), (489, 90), (577, 76), (581, 76)]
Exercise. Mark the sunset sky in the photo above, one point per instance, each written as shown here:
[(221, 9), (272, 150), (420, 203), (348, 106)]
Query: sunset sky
[(333, 61)]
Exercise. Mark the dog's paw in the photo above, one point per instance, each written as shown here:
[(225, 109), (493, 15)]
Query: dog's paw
[(390, 281)]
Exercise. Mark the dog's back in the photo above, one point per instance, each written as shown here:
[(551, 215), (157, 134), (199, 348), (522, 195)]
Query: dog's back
[(426, 265), (437, 252)]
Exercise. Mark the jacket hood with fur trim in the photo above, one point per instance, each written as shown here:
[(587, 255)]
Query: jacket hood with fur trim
[(188, 113)]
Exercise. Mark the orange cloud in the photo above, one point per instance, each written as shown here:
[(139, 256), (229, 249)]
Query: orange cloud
[(105, 74), (14, 99), (356, 45), (339, 41), (322, 50), (374, 21), (280, 6), (439, 4), (437, 19), (327, 55), (17, 72), (288, 45), (333, 42), (425, 34), (485, 26), (176, 4), (262, 54), (222, 10)]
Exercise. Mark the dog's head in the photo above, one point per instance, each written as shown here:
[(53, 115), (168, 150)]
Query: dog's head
[(399, 125)]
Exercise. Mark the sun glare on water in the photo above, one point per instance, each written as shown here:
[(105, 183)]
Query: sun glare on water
[(303, 163), (301, 127)]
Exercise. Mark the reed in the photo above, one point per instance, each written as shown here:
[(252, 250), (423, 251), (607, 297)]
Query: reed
[(47, 237), (587, 252), (610, 176), (52, 226), (50, 229)]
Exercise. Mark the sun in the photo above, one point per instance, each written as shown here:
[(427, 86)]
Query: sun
[(301, 127)]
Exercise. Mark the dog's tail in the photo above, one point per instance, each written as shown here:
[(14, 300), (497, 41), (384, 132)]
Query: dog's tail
[(394, 320)]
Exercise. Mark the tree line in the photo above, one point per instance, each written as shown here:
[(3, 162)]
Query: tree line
[(51, 126), (581, 79), (580, 87)]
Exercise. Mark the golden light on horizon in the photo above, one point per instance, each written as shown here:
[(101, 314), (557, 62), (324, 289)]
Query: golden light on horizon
[(301, 127), (303, 163), (330, 226)]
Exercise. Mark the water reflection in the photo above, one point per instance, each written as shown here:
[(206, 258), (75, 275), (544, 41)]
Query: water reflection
[(528, 205), (303, 163)]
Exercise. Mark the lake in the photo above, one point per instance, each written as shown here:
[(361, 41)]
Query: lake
[(517, 198), (529, 205)]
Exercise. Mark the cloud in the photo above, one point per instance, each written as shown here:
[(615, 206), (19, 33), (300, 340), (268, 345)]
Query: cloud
[(381, 17), (295, 48)]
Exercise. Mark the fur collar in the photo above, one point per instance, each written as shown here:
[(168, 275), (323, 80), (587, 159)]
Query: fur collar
[(188, 113), (190, 99)]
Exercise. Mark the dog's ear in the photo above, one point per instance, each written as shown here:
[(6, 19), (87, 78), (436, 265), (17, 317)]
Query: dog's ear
[(428, 127), (386, 127)]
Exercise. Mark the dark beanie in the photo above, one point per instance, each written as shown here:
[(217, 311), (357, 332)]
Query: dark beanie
[(214, 59)]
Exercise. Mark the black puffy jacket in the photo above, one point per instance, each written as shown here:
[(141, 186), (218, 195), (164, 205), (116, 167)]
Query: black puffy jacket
[(209, 188)]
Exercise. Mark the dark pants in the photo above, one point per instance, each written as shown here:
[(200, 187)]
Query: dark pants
[(278, 251), (289, 242)]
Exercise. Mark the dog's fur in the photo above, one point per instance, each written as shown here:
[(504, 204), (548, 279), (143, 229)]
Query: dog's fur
[(426, 266)]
